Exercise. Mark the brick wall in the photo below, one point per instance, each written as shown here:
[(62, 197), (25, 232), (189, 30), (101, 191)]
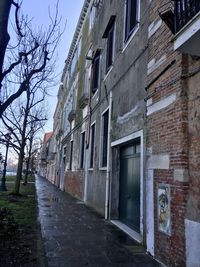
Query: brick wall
[(170, 249), (74, 183), (167, 134), (193, 206)]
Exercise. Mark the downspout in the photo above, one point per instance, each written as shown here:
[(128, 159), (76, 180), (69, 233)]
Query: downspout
[(87, 143), (108, 161)]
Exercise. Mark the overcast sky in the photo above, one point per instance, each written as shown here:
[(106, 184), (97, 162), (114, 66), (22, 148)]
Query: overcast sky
[(70, 11), (38, 11)]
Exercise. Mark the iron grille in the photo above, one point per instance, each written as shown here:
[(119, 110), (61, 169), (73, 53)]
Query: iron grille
[(185, 10)]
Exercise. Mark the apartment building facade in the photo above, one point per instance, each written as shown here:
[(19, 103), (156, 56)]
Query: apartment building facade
[(172, 131), (103, 112), (128, 130)]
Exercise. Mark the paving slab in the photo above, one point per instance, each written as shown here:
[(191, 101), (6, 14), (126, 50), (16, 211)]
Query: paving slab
[(75, 235)]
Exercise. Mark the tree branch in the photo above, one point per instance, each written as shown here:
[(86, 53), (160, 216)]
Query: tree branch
[(17, 8), (21, 55)]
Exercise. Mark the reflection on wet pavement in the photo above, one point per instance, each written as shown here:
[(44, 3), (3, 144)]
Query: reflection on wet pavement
[(75, 235)]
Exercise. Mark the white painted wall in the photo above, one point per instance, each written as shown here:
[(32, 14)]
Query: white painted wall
[(163, 103), (150, 212), (192, 235)]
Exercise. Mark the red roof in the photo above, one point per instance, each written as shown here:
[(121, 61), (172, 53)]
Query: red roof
[(47, 136)]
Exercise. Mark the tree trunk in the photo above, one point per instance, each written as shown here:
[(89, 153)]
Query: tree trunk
[(19, 172), (22, 148), (29, 158), (5, 6), (26, 172)]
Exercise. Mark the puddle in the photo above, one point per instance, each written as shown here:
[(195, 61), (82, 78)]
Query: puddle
[(48, 215), (45, 199), (136, 249), (47, 206), (55, 199), (80, 203)]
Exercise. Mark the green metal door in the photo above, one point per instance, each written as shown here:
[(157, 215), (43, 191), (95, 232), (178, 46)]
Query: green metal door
[(129, 190)]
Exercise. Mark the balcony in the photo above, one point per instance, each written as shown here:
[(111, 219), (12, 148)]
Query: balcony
[(187, 26), (72, 115), (51, 156), (83, 101)]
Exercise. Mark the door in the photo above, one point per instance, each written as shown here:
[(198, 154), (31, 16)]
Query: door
[(129, 186)]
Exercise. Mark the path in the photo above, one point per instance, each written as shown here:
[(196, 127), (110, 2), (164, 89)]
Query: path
[(76, 236)]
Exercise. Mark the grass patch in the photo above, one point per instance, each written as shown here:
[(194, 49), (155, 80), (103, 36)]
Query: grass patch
[(23, 207), (23, 250), (31, 178)]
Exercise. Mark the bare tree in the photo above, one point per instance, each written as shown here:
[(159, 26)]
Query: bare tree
[(5, 6), (35, 48), (31, 147), (20, 119)]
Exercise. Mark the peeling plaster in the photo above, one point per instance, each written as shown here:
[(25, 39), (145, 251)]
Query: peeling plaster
[(153, 64), (159, 161), (192, 234), (128, 115), (161, 104), (154, 27)]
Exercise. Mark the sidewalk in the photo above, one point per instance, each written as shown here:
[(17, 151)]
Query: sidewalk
[(76, 236)]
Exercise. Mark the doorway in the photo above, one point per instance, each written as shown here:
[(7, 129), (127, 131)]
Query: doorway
[(129, 185)]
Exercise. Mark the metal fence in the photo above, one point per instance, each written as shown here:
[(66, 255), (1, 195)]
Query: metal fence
[(185, 10)]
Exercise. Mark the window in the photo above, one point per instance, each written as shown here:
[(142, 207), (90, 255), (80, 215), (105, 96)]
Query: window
[(109, 35), (66, 126), (92, 146), (105, 138), (109, 49), (87, 72), (79, 47), (74, 60), (74, 99), (91, 17), (95, 72), (64, 151), (82, 158), (131, 19), (71, 154), (64, 156)]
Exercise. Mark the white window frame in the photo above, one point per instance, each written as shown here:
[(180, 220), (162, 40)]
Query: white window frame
[(80, 156), (93, 123), (71, 155), (127, 42), (101, 141), (99, 78), (79, 47), (92, 13), (113, 54)]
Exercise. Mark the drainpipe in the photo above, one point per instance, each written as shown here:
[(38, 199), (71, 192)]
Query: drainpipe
[(108, 160), (87, 142)]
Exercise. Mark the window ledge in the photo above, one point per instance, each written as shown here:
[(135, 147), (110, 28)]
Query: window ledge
[(107, 73), (103, 168), (91, 169), (80, 169), (94, 95)]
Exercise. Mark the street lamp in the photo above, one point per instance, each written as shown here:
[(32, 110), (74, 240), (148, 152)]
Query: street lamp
[(3, 179)]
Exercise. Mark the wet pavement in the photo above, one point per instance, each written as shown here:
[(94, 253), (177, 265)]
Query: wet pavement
[(75, 235)]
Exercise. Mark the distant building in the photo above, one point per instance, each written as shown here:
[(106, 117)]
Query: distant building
[(45, 155)]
